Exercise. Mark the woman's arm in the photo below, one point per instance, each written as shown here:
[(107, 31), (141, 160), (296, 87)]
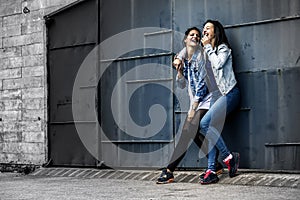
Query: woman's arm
[(178, 64), (181, 82), (181, 55), (217, 60)]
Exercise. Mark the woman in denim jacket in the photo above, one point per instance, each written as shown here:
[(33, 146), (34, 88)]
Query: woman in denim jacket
[(222, 84), (190, 74), (217, 49)]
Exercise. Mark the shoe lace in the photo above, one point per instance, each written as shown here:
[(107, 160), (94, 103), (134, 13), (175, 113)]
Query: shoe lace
[(207, 173), (165, 174), (227, 163)]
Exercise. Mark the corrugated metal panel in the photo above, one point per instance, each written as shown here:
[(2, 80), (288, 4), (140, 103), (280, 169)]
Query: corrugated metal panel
[(189, 13), (282, 156), (266, 56), (70, 40), (144, 88)]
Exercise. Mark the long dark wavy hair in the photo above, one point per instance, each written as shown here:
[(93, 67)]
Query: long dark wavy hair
[(220, 35)]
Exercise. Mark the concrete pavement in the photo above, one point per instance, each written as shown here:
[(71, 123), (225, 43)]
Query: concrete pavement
[(88, 184), (244, 177)]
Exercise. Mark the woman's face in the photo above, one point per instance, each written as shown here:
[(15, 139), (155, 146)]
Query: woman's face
[(193, 38), (209, 31)]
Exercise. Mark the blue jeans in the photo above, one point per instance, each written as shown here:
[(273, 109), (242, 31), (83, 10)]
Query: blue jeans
[(212, 124)]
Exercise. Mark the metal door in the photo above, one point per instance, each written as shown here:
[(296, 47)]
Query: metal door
[(136, 88), (72, 34)]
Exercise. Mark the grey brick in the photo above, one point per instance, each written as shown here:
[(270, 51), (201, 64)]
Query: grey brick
[(7, 157), (10, 157), (8, 31), (10, 73), (22, 147), (32, 27), (31, 126), (23, 40), (12, 20), (10, 94), (11, 136), (34, 60), (11, 126), (33, 136), (33, 115), (10, 104), (10, 7), (37, 158), (11, 115), (33, 71), (33, 49), (34, 104), (11, 147), (33, 93), (10, 52), (27, 82), (8, 63), (29, 147)]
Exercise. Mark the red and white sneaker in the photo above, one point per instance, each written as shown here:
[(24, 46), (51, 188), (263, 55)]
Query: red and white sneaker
[(232, 162)]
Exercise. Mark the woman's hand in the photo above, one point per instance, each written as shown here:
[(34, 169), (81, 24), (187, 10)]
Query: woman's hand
[(191, 114), (178, 65), (205, 40)]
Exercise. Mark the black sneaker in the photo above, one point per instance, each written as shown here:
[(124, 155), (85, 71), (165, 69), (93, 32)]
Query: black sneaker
[(165, 177), (210, 177), (233, 164), (219, 170)]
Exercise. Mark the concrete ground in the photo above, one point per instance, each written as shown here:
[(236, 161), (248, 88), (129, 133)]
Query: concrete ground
[(244, 177), (75, 183)]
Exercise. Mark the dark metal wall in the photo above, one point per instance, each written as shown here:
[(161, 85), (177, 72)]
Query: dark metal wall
[(263, 35), (71, 36), (266, 55), (120, 149)]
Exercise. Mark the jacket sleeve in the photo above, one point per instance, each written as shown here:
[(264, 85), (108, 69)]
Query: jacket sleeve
[(217, 60), (181, 82), (201, 91), (181, 55), (201, 87)]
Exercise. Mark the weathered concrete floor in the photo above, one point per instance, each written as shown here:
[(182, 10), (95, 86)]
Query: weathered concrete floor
[(244, 177)]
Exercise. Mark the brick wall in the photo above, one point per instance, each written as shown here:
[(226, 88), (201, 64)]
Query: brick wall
[(23, 85)]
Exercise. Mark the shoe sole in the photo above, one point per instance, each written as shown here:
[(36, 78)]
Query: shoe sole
[(237, 162), (165, 182)]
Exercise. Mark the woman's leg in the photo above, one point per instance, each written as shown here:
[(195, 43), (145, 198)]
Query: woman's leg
[(189, 132), (212, 124)]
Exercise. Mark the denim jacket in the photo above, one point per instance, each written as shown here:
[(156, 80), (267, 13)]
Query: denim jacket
[(194, 73), (222, 67)]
